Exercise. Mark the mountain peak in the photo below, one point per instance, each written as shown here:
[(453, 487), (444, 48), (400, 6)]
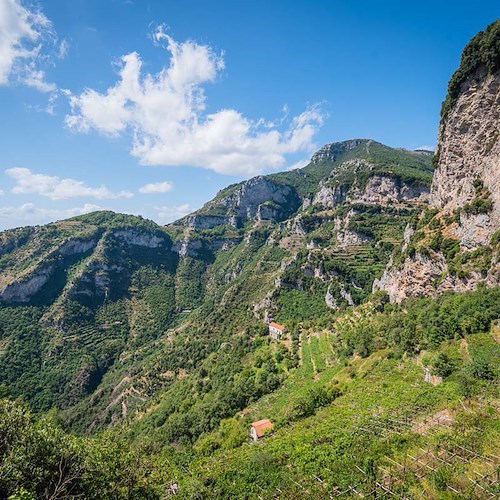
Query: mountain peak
[(330, 152)]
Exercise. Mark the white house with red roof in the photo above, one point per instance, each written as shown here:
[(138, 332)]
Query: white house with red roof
[(276, 330)]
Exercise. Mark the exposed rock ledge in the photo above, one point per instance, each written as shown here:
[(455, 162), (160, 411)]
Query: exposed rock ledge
[(379, 190), (426, 276)]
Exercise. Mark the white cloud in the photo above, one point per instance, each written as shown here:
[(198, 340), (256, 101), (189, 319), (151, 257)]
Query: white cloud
[(166, 116), (31, 214), (299, 164), (169, 214), (55, 188), (27, 42), (426, 147), (157, 187), (63, 49)]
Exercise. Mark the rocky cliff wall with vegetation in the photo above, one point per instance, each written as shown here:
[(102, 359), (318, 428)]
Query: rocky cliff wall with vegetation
[(455, 245)]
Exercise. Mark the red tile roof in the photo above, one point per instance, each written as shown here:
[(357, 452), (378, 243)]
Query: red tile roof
[(276, 325), (261, 425)]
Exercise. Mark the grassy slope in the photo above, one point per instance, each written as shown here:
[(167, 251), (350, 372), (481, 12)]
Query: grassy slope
[(382, 416)]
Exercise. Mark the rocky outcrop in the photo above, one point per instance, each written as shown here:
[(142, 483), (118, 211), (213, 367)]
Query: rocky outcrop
[(140, 238), (475, 230), (197, 247), (295, 226), (425, 275), (258, 197), (77, 246), (265, 308), (385, 190), (378, 190), (200, 221), (22, 288), (469, 145), (330, 196), (93, 279), (345, 237), (21, 291), (330, 300), (267, 211), (330, 152)]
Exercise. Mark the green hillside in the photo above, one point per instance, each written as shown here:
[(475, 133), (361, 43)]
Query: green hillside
[(355, 415), (103, 315)]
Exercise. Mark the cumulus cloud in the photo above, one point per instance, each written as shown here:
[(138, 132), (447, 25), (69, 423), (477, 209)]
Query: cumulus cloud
[(27, 43), (165, 115), (55, 188), (156, 187), (299, 164), (31, 214), (169, 214), (426, 147)]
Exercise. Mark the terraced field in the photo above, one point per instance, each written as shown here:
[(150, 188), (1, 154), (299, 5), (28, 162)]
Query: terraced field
[(316, 352)]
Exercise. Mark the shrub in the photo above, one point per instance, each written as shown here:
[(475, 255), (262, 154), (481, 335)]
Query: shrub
[(444, 365), (481, 370), (311, 401), (482, 50)]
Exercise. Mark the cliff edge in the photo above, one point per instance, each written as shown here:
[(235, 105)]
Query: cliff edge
[(455, 244)]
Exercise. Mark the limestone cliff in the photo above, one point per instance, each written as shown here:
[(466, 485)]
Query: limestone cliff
[(465, 195)]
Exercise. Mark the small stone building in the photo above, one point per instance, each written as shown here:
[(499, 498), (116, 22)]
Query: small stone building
[(259, 428), (276, 330)]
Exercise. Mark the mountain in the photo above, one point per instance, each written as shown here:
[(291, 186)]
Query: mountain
[(455, 244), (94, 307)]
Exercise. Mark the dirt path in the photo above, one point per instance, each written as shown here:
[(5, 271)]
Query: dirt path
[(443, 418)]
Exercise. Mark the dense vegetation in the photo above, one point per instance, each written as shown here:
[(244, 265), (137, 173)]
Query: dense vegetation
[(355, 404), (39, 460), (483, 50), (123, 321)]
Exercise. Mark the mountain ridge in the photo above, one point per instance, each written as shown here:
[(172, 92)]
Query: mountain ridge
[(106, 285)]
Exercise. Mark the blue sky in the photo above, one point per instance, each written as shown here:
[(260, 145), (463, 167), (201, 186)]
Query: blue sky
[(151, 107)]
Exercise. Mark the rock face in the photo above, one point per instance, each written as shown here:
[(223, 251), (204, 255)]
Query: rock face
[(423, 276), (466, 184), (383, 190), (469, 149), (259, 197), (330, 196), (21, 291), (378, 190), (92, 280), (23, 288), (206, 221), (140, 239), (197, 247)]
